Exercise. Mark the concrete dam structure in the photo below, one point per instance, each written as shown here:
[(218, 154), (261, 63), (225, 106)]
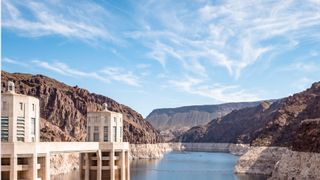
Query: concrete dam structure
[(23, 156)]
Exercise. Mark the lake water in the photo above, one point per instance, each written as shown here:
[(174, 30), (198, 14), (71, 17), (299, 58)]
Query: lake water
[(182, 165), (188, 166)]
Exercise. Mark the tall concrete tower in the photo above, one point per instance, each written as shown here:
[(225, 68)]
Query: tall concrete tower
[(104, 126), (19, 117)]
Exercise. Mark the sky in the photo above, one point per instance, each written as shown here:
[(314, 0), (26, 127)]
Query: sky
[(160, 54)]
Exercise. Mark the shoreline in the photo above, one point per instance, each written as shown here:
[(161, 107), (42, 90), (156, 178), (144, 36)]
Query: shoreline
[(151, 151)]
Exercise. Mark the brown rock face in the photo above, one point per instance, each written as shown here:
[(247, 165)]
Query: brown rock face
[(307, 138), (172, 122), (63, 109), (282, 123)]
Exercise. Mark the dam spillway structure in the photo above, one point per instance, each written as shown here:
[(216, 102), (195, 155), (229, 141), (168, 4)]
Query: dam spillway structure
[(23, 156)]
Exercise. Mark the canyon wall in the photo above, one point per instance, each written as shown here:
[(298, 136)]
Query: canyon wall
[(171, 122), (290, 122)]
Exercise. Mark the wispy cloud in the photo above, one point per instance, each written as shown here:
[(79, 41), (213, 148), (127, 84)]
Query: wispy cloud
[(219, 92), (64, 69), (230, 34), (215, 46), (121, 75), (109, 74), (65, 18), (13, 61)]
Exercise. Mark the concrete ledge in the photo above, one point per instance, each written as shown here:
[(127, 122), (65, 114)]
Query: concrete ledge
[(60, 147)]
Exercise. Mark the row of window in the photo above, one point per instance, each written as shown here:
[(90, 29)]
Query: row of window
[(21, 106), (97, 120), (20, 129), (105, 133)]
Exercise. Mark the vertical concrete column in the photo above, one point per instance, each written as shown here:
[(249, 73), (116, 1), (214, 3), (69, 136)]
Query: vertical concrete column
[(123, 165), (99, 165), (13, 167), (87, 166), (47, 166), (127, 165), (81, 164), (34, 170), (112, 175), (42, 171)]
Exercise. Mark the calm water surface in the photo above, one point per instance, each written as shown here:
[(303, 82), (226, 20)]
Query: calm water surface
[(182, 166), (188, 166)]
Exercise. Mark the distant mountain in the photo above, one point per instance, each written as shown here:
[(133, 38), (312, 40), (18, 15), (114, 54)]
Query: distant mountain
[(64, 108), (173, 121), (292, 122)]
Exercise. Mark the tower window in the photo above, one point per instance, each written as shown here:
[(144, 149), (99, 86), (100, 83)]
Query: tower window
[(89, 133), (96, 134), (105, 133), (33, 126), (115, 133), (121, 134), (21, 105), (4, 129), (21, 129), (33, 129)]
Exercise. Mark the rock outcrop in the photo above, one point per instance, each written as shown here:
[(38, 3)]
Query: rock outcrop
[(297, 165), (63, 109), (64, 163), (149, 151), (259, 160), (173, 122), (308, 136), (279, 163), (290, 122)]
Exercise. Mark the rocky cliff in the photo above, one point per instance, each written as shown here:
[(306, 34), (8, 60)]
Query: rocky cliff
[(63, 109), (174, 121), (288, 122)]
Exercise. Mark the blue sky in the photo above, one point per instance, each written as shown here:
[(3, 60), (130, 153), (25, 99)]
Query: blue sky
[(155, 54)]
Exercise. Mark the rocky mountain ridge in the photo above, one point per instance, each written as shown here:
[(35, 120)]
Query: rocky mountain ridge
[(171, 122), (63, 109), (290, 122)]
